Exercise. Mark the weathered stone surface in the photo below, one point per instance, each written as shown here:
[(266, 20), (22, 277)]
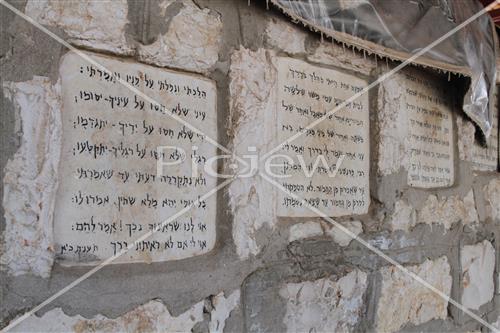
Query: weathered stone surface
[(393, 142), (150, 317), (478, 265), (387, 241), (469, 205), (327, 166), (250, 198), (404, 216), (186, 282), (314, 229), (482, 158), (498, 71), (252, 127), (305, 230), (445, 211), (335, 55), (492, 195), (466, 131), (117, 180), (430, 131), (191, 42), (339, 236), (403, 300), (415, 129), (285, 36), (30, 180), (324, 305), (98, 25), (222, 309), (449, 210)]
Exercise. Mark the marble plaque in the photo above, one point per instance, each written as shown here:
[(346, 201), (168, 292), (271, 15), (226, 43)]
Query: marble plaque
[(111, 191), (328, 165), (430, 131)]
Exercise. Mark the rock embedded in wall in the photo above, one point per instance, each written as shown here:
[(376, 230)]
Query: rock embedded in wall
[(449, 210), (305, 230), (492, 196), (285, 36), (150, 317), (404, 216), (328, 164), (31, 178), (341, 237), (127, 166), (316, 229), (325, 304), (99, 25), (222, 308), (393, 144), (445, 211), (403, 300), (251, 126), (191, 42), (478, 265), (415, 129)]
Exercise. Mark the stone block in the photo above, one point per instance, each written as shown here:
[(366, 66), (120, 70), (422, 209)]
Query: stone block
[(99, 25), (191, 42), (285, 36), (449, 210), (403, 300), (325, 305), (478, 265), (492, 196), (31, 177)]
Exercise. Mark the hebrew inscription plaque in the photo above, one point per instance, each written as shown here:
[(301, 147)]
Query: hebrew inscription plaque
[(111, 191), (328, 165)]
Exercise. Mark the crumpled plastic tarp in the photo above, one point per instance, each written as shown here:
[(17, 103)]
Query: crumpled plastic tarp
[(399, 28)]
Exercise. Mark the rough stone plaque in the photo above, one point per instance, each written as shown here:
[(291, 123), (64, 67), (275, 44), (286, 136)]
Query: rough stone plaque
[(111, 192), (430, 132), (328, 165), (482, 157), (485, 158)]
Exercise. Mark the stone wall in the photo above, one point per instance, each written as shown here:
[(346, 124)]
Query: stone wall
[(267, 271)]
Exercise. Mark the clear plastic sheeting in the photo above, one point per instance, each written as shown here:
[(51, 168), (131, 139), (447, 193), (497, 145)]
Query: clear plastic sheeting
[(397, 29)]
